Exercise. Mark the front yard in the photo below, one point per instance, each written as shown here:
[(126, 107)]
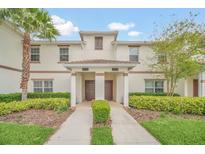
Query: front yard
[(33, 121), (172, 121), (11, 133), (176, 130)]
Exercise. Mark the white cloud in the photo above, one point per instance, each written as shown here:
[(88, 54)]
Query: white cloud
[(120, 26), (134, 33), (63, 26)]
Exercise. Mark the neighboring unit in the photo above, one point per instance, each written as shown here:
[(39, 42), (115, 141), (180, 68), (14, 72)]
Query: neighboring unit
[(97, 66)]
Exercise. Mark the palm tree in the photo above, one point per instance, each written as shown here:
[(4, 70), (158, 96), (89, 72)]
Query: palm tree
[(32, 23)]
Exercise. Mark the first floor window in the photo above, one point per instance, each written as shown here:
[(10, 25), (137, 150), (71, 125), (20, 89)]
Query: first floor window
[(154, 86), (43, 86)]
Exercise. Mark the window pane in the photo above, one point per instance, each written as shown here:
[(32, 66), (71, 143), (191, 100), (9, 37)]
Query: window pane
[(48, 83), (134, 51), (64, 57), (149, 90), (48, 86), (159, 84), (134, 58), (149, 84), (159, 90), (37, 84), (38, 90), (48, 89)]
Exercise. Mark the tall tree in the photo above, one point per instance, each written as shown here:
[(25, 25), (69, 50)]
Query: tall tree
[(32, 23), (178, 49)]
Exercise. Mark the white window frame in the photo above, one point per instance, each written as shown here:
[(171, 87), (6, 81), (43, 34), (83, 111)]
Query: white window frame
[(36, 52), (136, 53), (63, 54), (154, 87), (43, 87)]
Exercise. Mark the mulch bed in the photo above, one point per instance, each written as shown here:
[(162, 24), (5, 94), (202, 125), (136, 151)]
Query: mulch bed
[(47, 118), (107, 124), (143, 115), (146, 115)]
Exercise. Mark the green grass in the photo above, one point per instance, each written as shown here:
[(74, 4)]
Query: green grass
[(175, 130), (23, 134), (102, 136)]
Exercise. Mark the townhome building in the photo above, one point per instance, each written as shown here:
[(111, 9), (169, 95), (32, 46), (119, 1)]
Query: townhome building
[(98, 66)]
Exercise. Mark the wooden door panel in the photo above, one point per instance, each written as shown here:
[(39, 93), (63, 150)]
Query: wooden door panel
[(109, 89), (89, 90), (195, 87)]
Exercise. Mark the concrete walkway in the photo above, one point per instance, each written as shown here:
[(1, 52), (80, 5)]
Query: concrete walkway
[(126, 130), (76, 129)]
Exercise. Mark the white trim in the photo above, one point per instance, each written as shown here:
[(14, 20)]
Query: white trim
[(126, 91), (98, 65), (73, 91)]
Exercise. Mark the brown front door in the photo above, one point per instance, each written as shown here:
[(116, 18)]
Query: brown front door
[(89, 90), (195, 87), (108, 89)]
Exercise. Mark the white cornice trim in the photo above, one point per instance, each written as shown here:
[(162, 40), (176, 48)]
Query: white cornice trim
[(98, 65)]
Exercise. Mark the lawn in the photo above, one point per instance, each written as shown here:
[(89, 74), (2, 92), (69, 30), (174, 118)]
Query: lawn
[(11, 133), (176, 130), (102, 136)]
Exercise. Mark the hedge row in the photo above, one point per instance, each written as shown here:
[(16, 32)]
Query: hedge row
[(17, 96), (57, 104), (101, 111), (193, 105), (150, 94)]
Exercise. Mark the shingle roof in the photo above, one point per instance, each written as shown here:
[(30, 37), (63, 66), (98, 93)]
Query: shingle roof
[(100, 61)]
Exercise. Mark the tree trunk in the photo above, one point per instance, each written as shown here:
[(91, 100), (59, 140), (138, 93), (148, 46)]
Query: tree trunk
[(25, 66)]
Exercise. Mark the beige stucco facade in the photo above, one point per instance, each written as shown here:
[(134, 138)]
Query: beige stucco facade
[(128, 75)]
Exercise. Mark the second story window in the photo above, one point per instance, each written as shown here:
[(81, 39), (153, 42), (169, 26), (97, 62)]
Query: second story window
[(134, 54), (162, 58), (35, 54), (64, 54), (98, 43)]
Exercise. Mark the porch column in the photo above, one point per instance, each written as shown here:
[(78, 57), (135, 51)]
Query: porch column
[(99, 86), (201, 84), (73, 90), (126, 90), (185, 87)]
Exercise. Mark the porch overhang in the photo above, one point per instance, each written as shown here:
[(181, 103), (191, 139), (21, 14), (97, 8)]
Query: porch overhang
[(99, 63)]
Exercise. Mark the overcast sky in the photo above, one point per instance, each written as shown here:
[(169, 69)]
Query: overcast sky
[(132, 24)]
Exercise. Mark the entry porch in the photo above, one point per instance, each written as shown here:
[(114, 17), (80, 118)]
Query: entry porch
[(98, 80)]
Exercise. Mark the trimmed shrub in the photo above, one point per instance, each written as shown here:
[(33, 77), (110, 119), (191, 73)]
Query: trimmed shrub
[(193, 105), (101, 111), (17, 96), (57, 104), (150, 94)]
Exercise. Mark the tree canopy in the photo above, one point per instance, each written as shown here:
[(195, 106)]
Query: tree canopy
[(182, 43)]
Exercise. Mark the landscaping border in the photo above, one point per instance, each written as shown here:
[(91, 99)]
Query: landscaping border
[(101, 132)]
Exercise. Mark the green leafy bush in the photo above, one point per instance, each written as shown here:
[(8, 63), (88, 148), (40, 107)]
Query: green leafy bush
[(193, 105), (57, 104), (17, 96), (101, 111), (149, 94)]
